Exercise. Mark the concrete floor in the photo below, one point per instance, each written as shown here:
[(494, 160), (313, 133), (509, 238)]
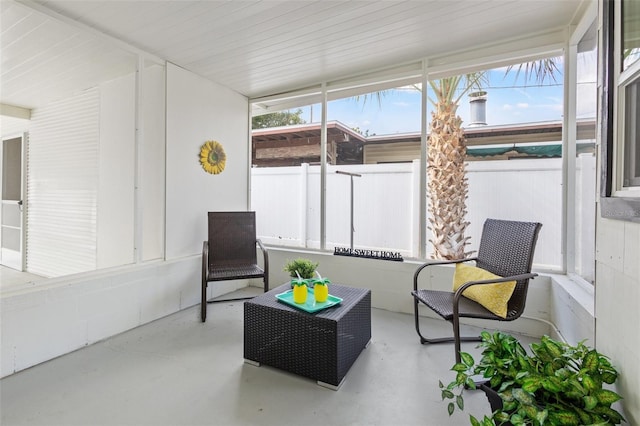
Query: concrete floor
[(179, 371)]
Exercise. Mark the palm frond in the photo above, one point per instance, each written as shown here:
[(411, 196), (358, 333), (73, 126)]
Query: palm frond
[(541, 70)]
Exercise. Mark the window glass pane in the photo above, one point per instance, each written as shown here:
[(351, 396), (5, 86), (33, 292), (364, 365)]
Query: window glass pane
[(586, 101), (630, 32), (373, 174), (632, 135), (285, 176), (513, 161)]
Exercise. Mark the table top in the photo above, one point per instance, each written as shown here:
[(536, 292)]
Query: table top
[(350, 296)]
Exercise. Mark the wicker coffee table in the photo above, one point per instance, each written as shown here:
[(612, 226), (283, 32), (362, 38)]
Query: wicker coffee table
[(321, 346)]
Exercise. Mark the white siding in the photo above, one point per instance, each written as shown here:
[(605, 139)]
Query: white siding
[(62, 181)]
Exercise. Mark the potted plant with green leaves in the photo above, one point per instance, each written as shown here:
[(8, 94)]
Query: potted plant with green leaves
[(557, 384), (301, 272), (305, 268)]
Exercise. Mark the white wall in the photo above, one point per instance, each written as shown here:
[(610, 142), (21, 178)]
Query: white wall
[(67, 313), (199, 110), (152, 160), (549, 299), (116, 171), (617, 300)]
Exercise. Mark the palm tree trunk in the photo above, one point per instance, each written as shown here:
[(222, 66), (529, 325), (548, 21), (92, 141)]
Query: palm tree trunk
[(447, 183)]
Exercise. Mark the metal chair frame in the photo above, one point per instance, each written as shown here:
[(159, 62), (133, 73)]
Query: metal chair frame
[(230, 253), (506, 249)]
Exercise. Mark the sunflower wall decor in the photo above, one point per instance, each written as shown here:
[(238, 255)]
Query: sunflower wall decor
[(212, 157)]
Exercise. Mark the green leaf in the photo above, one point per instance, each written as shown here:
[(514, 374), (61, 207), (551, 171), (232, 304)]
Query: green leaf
[(501, 417), (609, 377), (522, 396), (474, 421), (552, 384), (530, 411), (459, 367), (532, 383), (612, 415), (509, 406), (585, 418), (590, 402), (562, 373), (460, 402), (576, 386), (470, 383), (554, 348), (507, 395), (467, 359), (564, 418), (450, 408), (517, 419), (606, 397), (440, 384), (591, 361), (542, 416), (447, 394), (589, 384)]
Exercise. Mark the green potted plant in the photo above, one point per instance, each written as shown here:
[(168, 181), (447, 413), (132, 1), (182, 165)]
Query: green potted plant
[(557, 384), (301, 272), (304, 267)]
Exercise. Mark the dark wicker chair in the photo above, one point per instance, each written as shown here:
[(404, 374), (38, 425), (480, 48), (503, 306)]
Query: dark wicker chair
[(230, 253), (506, 249)]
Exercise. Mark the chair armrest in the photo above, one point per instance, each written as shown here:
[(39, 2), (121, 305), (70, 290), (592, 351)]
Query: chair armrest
[(205, 260), (436, 262), (265, 255), (468, 284)]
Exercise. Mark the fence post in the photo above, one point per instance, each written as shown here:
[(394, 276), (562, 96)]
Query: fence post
[(304, 180), (415, 209)]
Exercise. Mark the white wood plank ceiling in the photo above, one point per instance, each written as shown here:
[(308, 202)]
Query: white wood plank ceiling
[(254, 47)]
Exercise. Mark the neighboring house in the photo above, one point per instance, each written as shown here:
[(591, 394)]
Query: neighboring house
[(293, 145)]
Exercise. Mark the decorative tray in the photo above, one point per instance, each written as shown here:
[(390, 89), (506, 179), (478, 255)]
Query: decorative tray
[(310, 306)]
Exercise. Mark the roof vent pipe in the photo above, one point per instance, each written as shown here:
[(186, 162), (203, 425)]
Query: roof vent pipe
[(478, 108)]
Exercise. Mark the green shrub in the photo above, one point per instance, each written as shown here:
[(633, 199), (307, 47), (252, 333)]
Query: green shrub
[(558, 384)]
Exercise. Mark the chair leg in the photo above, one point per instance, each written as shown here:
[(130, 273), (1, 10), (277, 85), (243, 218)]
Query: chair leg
[(456, 334), (265, 280), (423, 339), (203, 304)]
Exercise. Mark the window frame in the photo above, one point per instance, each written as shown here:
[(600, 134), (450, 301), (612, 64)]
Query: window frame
[(615, 203)]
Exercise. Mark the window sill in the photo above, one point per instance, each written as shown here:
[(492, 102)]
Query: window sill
[(620, 208)]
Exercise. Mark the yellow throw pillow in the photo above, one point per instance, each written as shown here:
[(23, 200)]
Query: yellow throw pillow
[(494, 297)]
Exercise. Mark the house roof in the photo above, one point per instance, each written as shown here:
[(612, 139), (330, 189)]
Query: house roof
[(292, 145)]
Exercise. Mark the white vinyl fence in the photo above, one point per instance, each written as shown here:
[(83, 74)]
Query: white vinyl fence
[(386, 205)]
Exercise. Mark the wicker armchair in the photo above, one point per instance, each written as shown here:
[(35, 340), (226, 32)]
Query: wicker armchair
[(506, 249), (230, 253)]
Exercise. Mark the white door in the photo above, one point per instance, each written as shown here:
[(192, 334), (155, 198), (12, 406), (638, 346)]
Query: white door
[(12, 209)]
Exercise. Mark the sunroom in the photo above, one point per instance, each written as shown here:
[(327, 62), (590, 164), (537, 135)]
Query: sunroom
[(105, 107)]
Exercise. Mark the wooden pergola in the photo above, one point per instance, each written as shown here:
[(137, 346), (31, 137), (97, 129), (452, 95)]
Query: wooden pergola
[(294, 145)]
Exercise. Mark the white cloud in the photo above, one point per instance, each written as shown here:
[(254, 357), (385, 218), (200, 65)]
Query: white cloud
[(522, 105)]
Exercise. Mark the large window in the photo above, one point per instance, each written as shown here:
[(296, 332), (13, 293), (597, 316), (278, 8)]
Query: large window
[(630, 91), (620, 189), (370, 181), (342, 165)]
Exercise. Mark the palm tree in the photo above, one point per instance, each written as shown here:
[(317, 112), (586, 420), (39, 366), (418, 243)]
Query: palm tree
[(446, 169), (447, 185)]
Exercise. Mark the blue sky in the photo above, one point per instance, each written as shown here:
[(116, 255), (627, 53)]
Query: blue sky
[(510, 100)]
